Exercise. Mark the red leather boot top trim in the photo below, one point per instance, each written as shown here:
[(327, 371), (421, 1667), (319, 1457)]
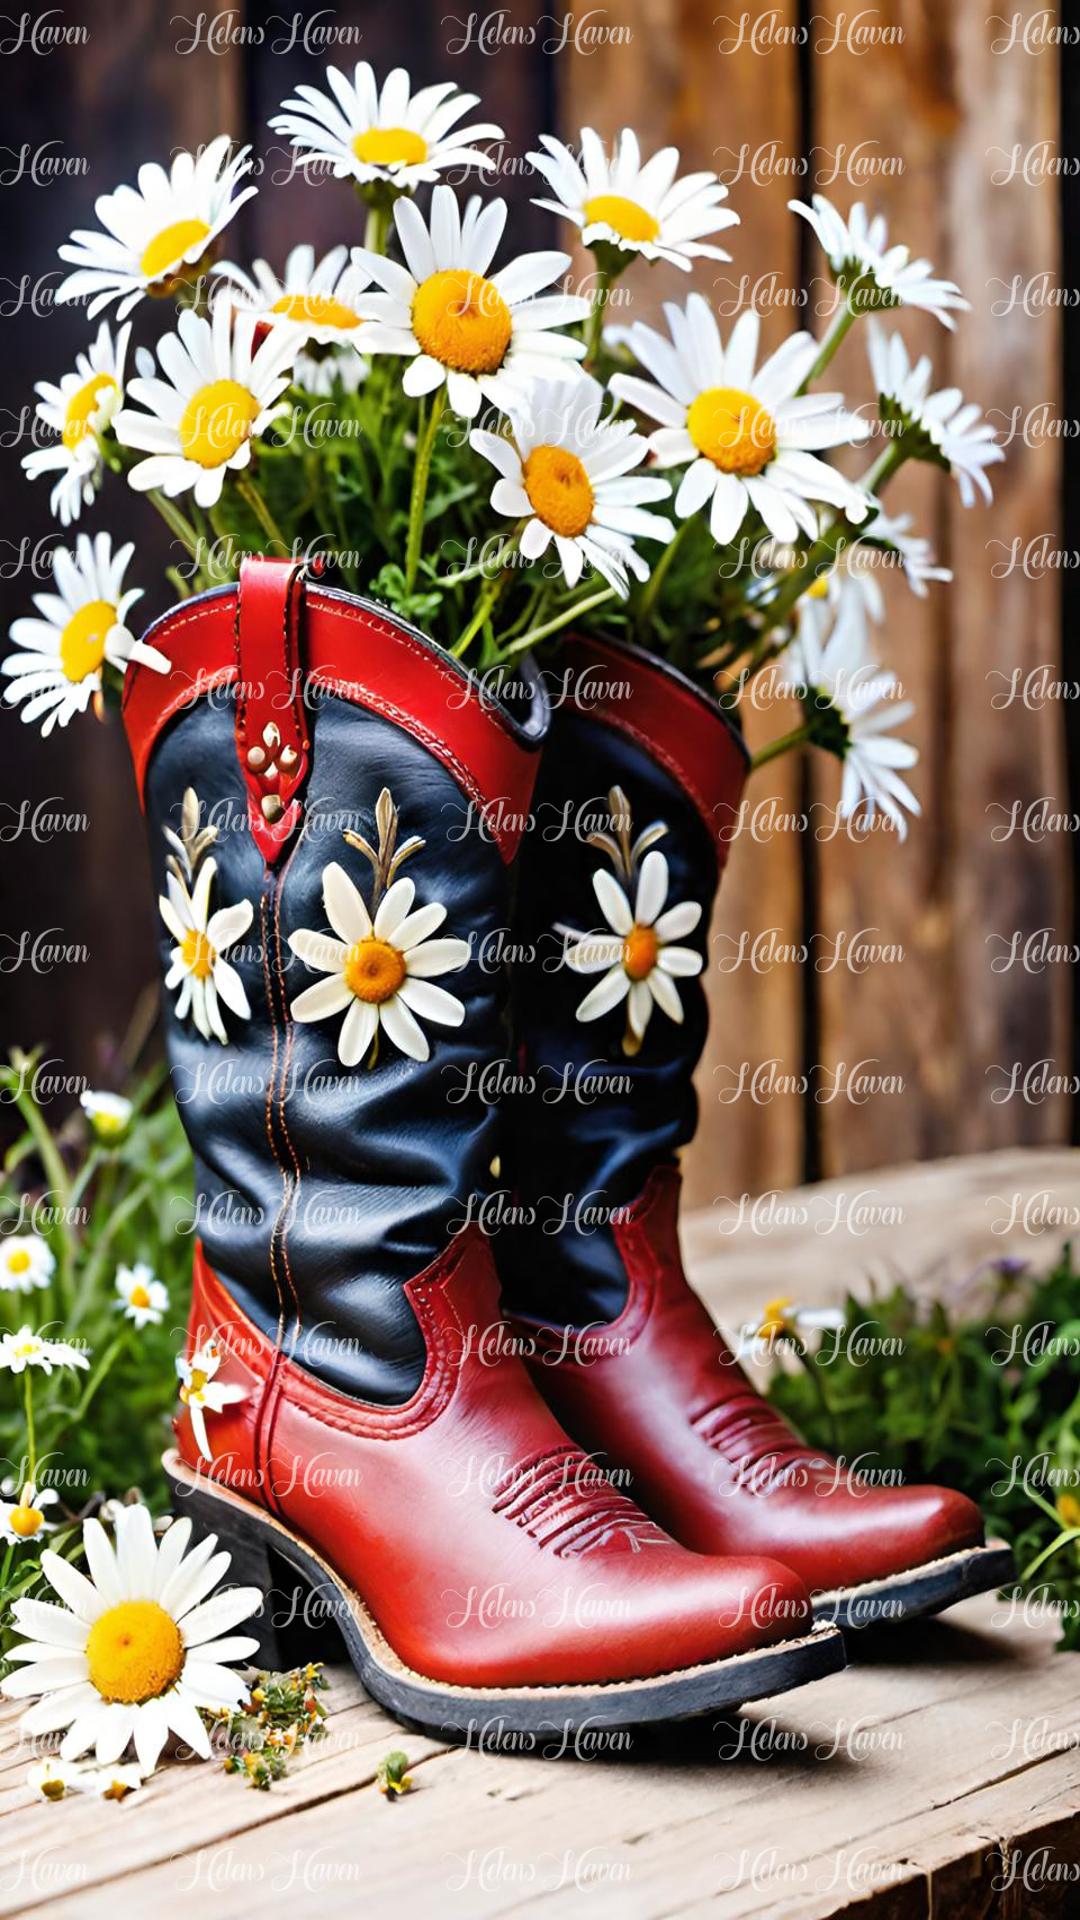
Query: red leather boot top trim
[(671, 720), (362, 655), (272, 739)]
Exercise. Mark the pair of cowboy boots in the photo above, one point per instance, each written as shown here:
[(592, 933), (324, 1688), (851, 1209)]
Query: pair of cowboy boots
[(570, 1509)]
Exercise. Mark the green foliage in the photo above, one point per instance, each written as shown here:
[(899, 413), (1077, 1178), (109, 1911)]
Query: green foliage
[(98, 1204), (989, 1404)]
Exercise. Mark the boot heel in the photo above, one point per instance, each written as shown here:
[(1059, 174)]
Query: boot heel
[(291, 1625)]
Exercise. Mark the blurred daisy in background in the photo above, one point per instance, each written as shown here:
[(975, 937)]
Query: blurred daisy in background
[(309, 302), (26, 1262), (76, 411), (939, 427), (868, 271)]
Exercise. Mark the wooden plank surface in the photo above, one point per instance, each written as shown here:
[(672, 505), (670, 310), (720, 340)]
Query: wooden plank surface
[(898, 1790)]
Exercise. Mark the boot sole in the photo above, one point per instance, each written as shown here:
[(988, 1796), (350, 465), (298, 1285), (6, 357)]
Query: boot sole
[(480, 1715), (920, 1590)]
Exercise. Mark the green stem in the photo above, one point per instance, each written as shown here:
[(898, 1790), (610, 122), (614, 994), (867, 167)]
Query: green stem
[(844, 319), (248, 491), (375, 231), (892, 456), (31, 1445), (775, 748), (99, 1374), (813, 1374), (484, 605), (53, 1168), (479, 567), (176, 521), (656, 578), (563, 619), (594, 326), (421, 472)]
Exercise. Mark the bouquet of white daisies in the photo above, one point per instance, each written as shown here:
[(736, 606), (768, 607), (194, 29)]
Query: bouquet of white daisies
[(464, 437)]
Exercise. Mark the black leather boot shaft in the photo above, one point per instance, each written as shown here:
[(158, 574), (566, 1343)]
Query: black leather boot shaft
[(595, 1106), (323, 1188)]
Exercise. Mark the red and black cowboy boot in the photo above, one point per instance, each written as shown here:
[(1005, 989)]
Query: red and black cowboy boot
[(642, 774), (334, 809)]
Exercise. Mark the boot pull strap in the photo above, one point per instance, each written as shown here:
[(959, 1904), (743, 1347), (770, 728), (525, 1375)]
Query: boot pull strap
[(273, 741)]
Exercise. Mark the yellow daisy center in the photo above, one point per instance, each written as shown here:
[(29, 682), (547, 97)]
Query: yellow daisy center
[(82, 643), (1068, 1509), (316, 310), (134, 1651), (625, 217), (198, 954), (168, 248), (462, 321), (139, 1296), (216, 422), (195, 1387), (639, 952), (53, 1789), (559, 490), (26, 1521), (774, 1320), (19, 1261), (390, 147), (374, 970), (83, 405), (732, 429)]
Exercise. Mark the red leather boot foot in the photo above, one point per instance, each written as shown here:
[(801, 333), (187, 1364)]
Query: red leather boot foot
[(658, 1396), (487, 1581)]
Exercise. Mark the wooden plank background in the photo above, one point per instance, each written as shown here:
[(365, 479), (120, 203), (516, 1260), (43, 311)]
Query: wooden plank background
[(778, 104)]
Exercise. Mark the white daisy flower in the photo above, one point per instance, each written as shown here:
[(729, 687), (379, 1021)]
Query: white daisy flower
[(312, 303), (918, 562), (78, 410), (154, 231), (565, 474), (380, 971), (392, 135), (782, 1320), (108, 1783), (850, 705), (109, 1114), (868, 271), (25, 1348), (25, 1518), (218, 396), (52, 1778), (201, 1393), (26, 1262), (59, 664), (483, 337), (143, 1298), (749, 438), (139, 1645), (636, 208), (330, 372), (941, 428), (638, 960), (197, 964)]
